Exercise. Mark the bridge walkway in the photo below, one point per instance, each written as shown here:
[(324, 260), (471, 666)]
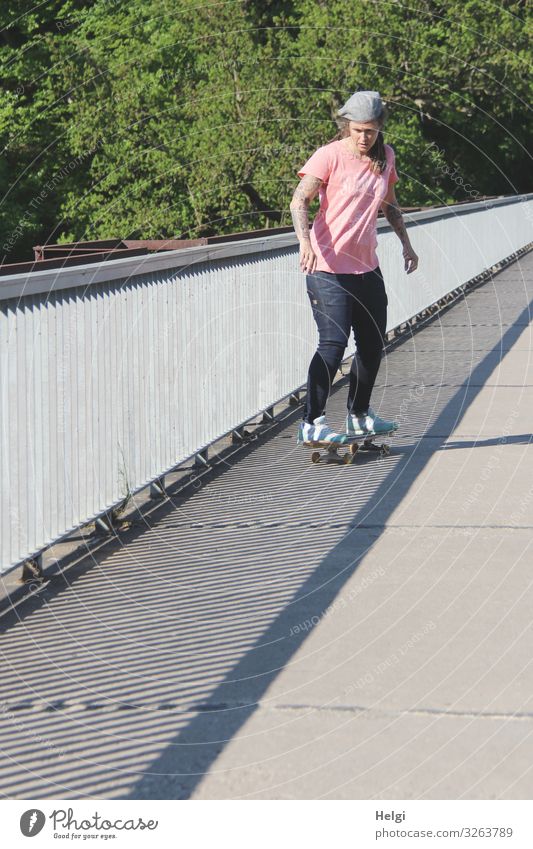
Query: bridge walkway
[(300, 631)]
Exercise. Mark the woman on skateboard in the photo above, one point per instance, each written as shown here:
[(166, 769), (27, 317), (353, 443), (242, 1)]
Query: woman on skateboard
[(354, 176)]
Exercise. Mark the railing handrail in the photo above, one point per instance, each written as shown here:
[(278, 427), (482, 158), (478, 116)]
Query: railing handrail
[(58, 279)]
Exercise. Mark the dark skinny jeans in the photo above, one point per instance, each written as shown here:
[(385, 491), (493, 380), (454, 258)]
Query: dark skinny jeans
[(340, 303)]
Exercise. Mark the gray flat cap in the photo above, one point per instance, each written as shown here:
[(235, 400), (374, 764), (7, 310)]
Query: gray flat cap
[(362, 106)]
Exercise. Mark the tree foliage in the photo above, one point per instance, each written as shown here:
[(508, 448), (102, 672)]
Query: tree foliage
[(183, 119)]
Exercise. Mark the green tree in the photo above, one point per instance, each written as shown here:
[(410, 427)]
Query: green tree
[(186, 119), (454, 75), (132, 64), (181, 116), (32, 122)]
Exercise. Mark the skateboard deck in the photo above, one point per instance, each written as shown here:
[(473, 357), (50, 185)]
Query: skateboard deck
[(346, 452)]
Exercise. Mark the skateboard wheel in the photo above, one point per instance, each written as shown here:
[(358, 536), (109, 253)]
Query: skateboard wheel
[(354, 448), (348, 458), (385, 450), (315, 457)]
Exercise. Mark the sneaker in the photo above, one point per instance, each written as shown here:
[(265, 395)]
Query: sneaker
[(319, 431), (368, 423)]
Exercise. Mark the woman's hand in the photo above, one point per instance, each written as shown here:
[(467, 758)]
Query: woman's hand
[(410, 259), (307, 258)]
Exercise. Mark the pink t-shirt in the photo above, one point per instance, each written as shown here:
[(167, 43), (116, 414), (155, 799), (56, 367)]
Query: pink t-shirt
[(343, 235)]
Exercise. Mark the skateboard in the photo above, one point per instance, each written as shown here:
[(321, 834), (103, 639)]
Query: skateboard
[(346, 452)]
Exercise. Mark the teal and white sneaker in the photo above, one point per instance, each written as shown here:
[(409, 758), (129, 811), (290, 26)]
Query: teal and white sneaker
[(368, 424), (320, 431)]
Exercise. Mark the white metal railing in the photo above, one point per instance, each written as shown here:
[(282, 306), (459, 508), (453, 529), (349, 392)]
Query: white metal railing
[(111, 375)]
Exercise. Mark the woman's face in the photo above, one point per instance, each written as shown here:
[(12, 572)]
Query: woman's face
[(363, 134)]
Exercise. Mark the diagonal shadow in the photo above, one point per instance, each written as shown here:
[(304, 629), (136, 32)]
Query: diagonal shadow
[(512, 439), (180, 768)]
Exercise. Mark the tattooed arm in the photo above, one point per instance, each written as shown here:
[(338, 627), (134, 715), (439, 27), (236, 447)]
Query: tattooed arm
[(394, 217), (299, 206)]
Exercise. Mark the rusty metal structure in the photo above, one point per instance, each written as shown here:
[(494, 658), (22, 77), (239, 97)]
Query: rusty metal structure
[(101, 250)]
